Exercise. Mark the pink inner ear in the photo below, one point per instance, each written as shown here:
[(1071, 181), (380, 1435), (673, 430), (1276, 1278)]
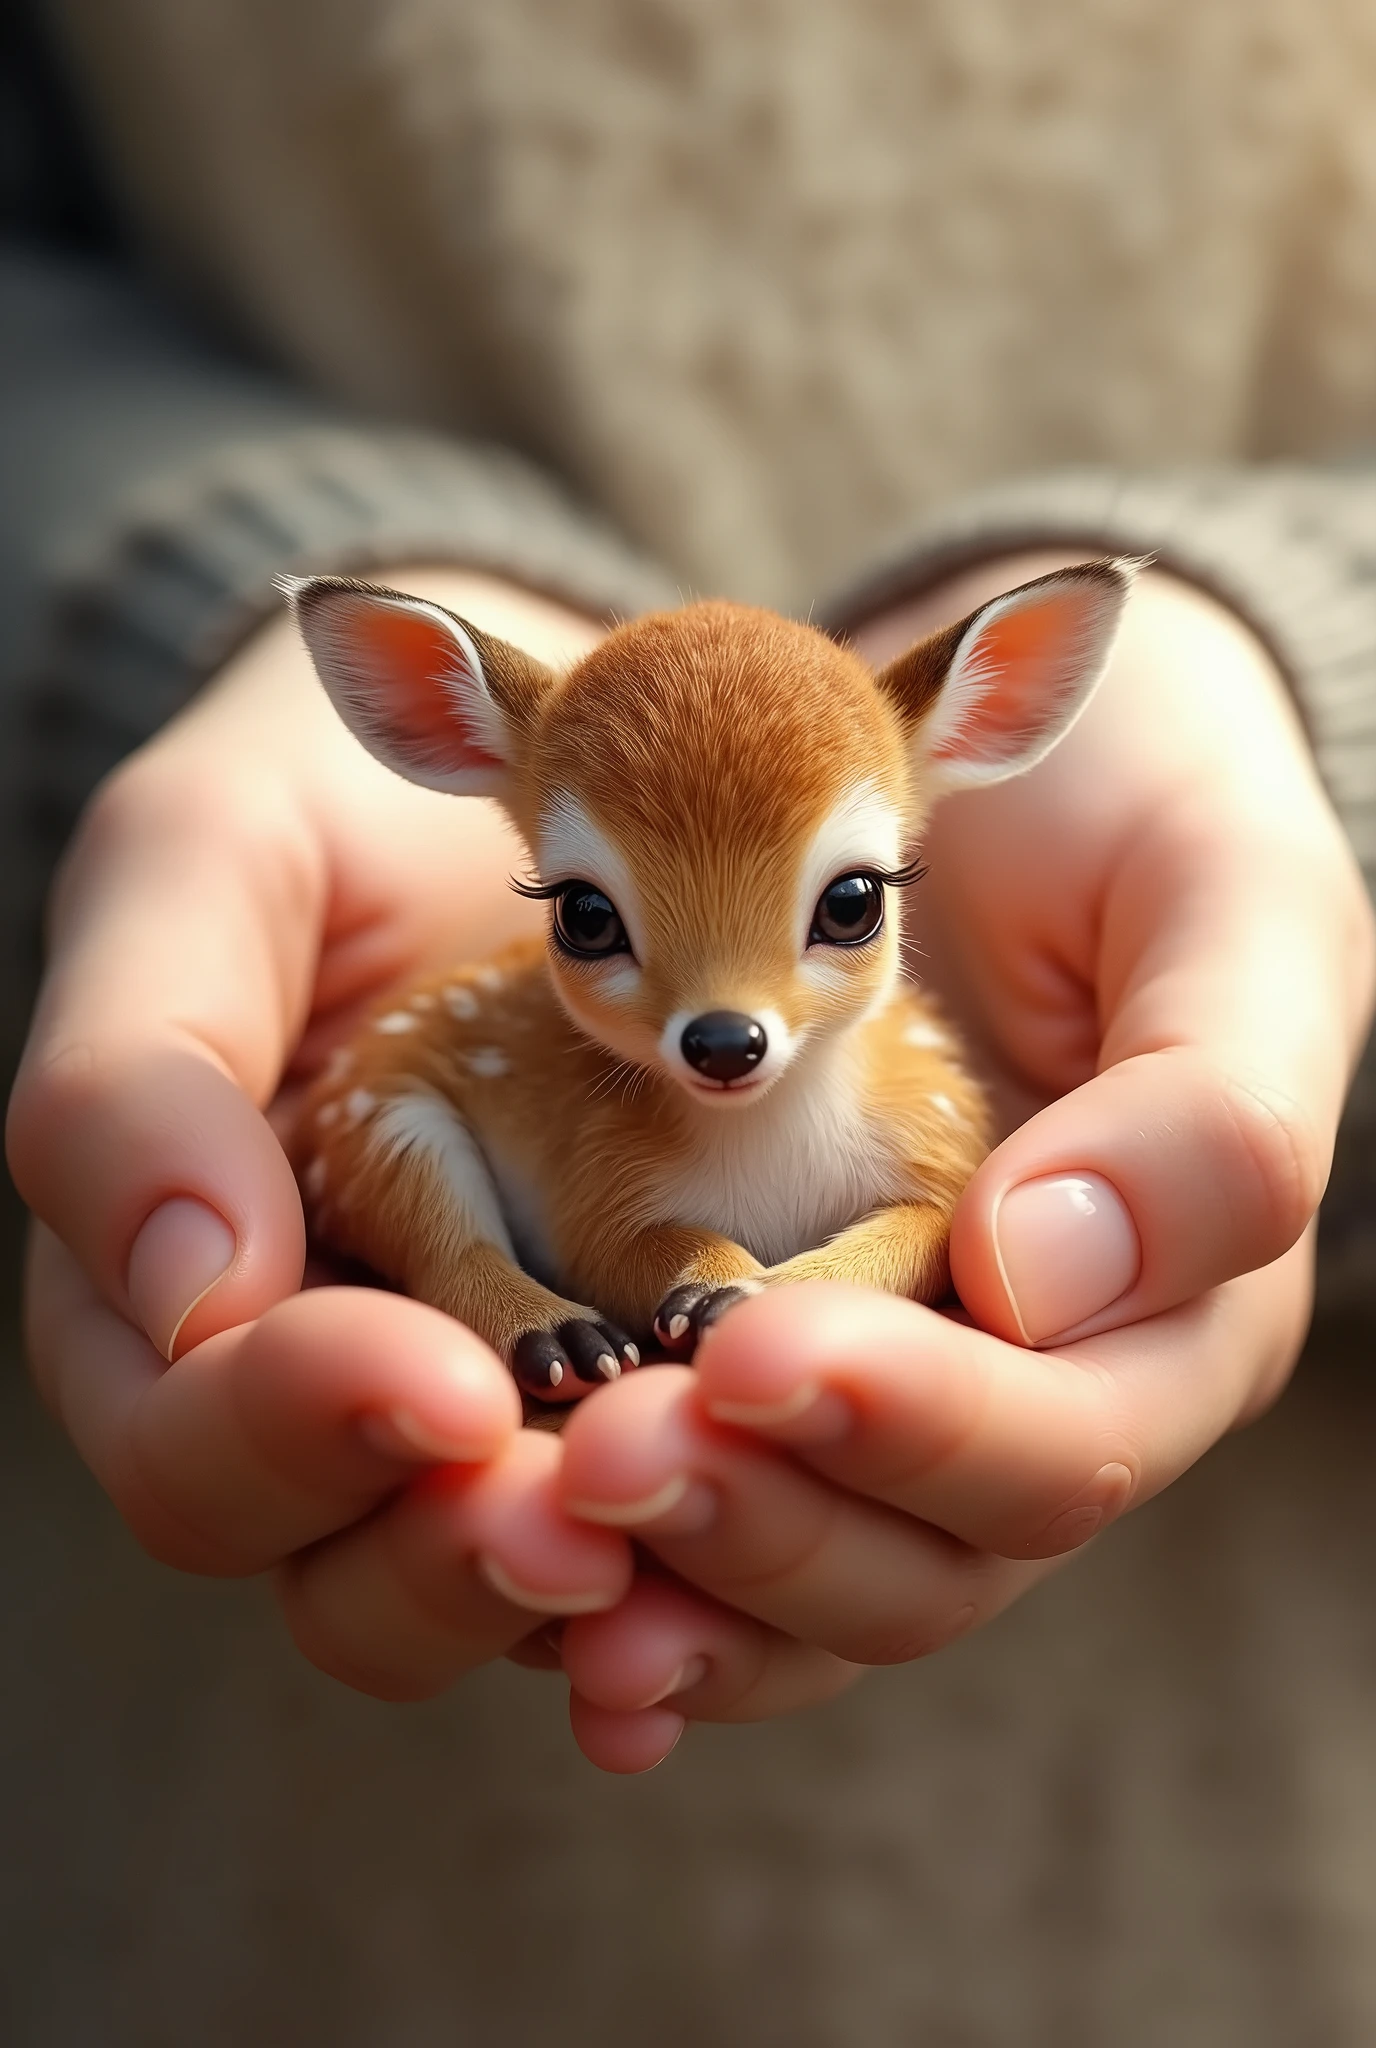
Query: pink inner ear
[(1023, 665), (415, 656)]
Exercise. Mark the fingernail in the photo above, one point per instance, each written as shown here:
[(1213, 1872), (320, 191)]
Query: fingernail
[(537, 1600), (681, 1507), (688, 1675), (1066, 1248), (183, 1249), (400, 1434), (811, 1414), (1107, 1494)]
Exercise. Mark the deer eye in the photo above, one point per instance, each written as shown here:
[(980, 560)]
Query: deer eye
[(586, 922), (849, 911)]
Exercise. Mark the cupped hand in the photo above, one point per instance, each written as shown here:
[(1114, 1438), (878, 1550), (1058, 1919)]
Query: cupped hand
[(1161, 948), (1158, 942), (237, 890)]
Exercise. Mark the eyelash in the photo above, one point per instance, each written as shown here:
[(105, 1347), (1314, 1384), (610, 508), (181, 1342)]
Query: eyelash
[(892, 878), (538, 892)]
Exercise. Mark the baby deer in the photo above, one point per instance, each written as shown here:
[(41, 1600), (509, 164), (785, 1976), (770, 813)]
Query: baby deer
[(711, 1077)]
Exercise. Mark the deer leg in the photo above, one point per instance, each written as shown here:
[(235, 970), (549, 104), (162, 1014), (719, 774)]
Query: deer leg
[(401, 1183)]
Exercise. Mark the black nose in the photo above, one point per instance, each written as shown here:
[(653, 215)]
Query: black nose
[(723, 1045)]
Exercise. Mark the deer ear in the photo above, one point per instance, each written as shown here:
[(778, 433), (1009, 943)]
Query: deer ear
[(429, 696), (990, 697)]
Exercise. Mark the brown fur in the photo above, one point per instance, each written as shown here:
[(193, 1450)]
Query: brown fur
[(703, 752)]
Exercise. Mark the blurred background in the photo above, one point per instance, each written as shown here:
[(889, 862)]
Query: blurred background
[(293, 281)]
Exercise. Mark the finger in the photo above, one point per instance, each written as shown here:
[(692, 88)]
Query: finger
[(177, 985), (1233, 976), (666, 1655), (1023, 1453), (624, 1744), (267, 1437), (666, 1643), (751, 1527), (403, 1604)]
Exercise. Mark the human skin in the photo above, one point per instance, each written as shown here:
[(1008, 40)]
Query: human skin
[(1161, 948)]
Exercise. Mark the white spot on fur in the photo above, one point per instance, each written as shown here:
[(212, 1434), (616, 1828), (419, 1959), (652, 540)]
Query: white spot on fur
[(423, 1001), (489, 978), (947, 1108), (460, 1002), (313, 1179), (395, 1022), (489, 1062), (327, 1114), (930, 1036), (424, 1128), (359, 1104), (338, 1063)]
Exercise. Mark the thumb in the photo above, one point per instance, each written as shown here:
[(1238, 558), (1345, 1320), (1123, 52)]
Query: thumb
[(134, 1130), (1201, 1149)]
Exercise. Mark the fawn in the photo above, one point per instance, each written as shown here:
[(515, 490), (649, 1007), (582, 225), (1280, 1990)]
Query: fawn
[(711, 1077)]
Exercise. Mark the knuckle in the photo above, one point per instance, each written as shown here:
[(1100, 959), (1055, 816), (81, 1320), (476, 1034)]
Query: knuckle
[(321, 1641), (904, 1640), (1285, 1154), (57, 1089), (168, 1537)]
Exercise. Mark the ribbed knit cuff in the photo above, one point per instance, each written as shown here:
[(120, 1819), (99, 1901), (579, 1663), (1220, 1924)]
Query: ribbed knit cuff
[(187, 574), (1293, 552)]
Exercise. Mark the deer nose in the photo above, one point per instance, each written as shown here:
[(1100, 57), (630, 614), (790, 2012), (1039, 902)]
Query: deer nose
[(723, 1045)]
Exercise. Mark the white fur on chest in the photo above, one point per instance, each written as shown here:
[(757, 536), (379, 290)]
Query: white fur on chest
[(782, 1175)]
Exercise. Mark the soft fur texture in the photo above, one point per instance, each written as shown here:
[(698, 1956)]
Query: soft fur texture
[(771, 279), (713, 772)]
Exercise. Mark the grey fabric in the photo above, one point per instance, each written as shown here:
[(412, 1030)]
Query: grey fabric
[(154, 490), (1293, 551)]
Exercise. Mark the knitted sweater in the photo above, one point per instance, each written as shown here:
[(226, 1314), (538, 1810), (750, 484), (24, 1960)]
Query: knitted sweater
[(784, 289)]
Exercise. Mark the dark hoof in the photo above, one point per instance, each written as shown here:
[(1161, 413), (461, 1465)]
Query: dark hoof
[(597, 1351), (686, 1312), (539, 1362), (546, 1363)]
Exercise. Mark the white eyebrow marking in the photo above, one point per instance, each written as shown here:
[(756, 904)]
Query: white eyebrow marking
[(572, 847), (863, 829), (394, 1021), (461, 1002)]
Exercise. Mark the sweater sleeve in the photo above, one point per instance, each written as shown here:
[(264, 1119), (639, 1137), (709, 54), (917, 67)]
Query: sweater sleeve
[(155, 486), (1292, 551)]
